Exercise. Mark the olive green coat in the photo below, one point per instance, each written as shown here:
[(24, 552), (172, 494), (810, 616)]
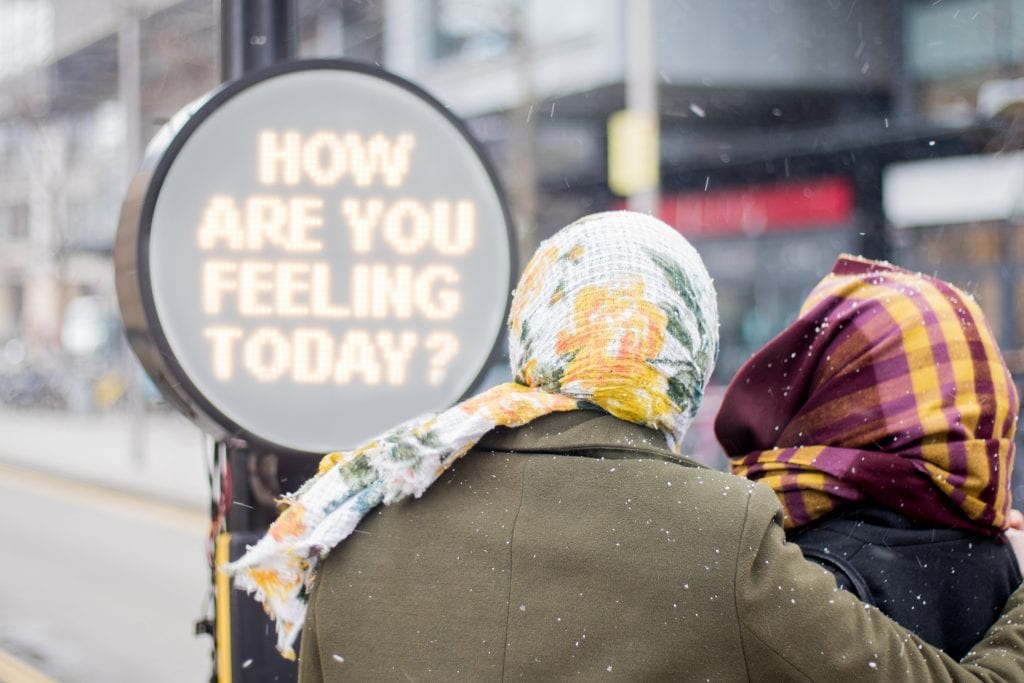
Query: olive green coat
[(577, 546)]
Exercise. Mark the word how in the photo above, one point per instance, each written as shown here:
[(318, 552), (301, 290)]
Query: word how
[(325, 158)]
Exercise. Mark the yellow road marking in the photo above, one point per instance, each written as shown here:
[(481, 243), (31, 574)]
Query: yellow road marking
[(13, 670)]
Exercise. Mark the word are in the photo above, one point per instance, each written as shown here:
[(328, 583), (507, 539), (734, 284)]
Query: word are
[(325, 158), (298, 289), (294, 225), (314, 356)]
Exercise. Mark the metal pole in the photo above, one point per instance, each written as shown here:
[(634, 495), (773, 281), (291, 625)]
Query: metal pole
[(903, 89), (641, 82), (254, 34), (867, 178), (129, 84), (523, 138)]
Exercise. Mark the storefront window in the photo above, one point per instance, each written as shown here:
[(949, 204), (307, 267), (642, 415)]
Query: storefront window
[(473, 29), (978, 258), (483, 29), (961, 37)]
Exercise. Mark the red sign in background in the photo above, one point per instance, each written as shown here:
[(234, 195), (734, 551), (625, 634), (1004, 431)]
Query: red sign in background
[(793, 205)]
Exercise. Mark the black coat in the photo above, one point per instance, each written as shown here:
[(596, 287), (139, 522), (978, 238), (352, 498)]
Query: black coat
[(948, 586)]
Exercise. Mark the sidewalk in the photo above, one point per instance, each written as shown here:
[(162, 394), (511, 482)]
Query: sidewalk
[(98, 449)]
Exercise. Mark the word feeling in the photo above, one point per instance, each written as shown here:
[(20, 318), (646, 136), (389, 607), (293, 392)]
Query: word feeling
[(236, 280), (291, 289)]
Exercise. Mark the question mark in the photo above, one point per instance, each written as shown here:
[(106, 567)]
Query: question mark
[(445, 346)]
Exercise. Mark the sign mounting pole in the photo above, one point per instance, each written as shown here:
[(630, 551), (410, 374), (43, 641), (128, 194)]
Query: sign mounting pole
[(254, 34)]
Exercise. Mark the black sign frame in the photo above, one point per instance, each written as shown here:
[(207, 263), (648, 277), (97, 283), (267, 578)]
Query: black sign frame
[(132, 248)]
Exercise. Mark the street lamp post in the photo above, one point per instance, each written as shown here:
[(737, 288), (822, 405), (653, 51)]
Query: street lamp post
[(642, 90)]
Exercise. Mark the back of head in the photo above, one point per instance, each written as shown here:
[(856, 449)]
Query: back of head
[(888, 388), (618, 311)]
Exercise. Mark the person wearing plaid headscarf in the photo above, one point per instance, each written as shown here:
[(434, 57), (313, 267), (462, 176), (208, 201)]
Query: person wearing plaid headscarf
[(549, 527), (883, 418)]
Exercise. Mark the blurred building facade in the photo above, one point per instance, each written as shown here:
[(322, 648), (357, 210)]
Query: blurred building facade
[(779, 122)]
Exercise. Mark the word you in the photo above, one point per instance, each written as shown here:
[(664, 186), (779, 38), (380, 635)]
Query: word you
[(407, 226)]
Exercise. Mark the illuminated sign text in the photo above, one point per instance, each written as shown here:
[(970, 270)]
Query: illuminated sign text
[(249, 283)]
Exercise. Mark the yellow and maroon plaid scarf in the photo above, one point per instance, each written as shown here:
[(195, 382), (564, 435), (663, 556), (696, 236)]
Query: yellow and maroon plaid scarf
[(888, 388)]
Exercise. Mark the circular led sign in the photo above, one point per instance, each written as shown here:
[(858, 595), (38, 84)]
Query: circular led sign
[(312, 254)]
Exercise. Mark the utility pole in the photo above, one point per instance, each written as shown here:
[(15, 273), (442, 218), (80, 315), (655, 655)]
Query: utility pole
[(129, 85), (522, 179), (642, 91)]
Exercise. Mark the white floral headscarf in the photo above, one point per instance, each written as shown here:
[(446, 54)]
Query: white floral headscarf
[(615, 311)]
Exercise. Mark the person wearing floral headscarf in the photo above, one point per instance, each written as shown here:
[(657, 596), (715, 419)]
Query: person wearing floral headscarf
[(883, 418), (550, 527)]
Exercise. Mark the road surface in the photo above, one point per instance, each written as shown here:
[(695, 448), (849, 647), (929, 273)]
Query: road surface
[(100, 586)]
